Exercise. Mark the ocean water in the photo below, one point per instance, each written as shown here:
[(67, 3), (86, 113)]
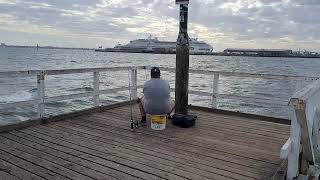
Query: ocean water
[(25, 88)]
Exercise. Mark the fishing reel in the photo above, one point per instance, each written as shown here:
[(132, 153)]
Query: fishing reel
[(134, 125)]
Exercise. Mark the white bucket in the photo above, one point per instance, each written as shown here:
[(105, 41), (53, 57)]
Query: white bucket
[(158, 122)]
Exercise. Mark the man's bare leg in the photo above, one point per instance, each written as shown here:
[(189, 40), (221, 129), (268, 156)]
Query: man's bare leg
[(173, 109), (142, 112)]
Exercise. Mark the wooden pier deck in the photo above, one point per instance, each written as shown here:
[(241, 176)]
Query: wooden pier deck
[(101, 145)]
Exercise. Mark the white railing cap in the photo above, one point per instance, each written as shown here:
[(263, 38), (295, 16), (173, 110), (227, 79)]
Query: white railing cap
[(251, 75), (300, 97), (67, 71), (102, 69)]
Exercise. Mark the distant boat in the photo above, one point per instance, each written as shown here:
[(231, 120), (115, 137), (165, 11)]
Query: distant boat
[(153, 45)]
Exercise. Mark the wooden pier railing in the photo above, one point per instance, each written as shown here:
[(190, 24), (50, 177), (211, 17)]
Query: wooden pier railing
[(302, 149), (42, 99)]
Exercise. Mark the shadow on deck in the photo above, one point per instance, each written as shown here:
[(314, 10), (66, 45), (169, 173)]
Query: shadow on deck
[(101, 145)]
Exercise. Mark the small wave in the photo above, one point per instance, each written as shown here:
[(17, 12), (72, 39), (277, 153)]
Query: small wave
[(264, 94), (81, 102), (33, 90), (22, 118), (86, 89), (16, 97), (57, 104), (251, 105)]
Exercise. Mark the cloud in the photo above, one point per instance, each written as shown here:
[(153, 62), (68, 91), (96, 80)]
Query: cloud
[(222, 23)]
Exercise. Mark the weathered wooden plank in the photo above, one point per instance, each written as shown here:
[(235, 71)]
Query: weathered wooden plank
[(250, 122), (165, 150), (277, 158), (18, 172), (53, 150), (89, 156), (120, 164), (155, 157), (28, 164), (121, 158), (209, 119), (225, 147), (202, 123), (238, 124), (231, 137), (209, 133), (264, 118), (221, 127), (35, 122), (13, 148), (180, 139), (7, 176), (223, 119), (77, 171), (234, 133), (219, 147), (160, 143), (185, 171)]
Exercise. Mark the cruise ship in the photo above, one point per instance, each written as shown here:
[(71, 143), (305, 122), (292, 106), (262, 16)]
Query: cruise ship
[(153, 45)]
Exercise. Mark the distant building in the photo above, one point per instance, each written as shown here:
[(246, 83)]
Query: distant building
[(258, 52)]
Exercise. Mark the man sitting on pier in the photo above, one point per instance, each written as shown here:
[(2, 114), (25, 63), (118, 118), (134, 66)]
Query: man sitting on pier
[(156, 99)]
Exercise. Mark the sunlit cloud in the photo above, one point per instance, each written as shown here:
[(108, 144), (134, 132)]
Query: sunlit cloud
[(222, 23)]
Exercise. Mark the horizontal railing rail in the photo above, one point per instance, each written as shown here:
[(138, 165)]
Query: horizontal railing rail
[(110, 69), (257, 99), (67, 71), (250, 75), (41, 100)]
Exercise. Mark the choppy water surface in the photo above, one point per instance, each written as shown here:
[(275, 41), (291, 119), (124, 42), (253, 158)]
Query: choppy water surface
[(24, 88)]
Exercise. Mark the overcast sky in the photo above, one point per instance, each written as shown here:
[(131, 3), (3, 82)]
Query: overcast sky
[(291, 24)]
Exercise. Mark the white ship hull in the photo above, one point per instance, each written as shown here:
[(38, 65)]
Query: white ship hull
[(153, 45)]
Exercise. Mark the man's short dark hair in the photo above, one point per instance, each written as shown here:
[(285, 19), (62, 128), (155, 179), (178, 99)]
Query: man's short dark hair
[(155, 72)]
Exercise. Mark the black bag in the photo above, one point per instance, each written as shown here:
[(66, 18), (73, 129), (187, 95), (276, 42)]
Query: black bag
[(184, 121)]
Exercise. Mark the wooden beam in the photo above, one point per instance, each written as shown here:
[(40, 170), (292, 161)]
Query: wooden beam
[(182, 63)]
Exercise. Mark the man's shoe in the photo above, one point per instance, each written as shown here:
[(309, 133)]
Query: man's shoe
[(143, 121)]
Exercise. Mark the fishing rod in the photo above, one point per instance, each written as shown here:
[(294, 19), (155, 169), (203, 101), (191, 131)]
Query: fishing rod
[(133, 125)]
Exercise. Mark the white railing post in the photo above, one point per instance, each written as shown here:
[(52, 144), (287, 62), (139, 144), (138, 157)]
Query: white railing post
[(96, 88), (316, 134), (215, 91), (134, 81), (302, 161), (293, 156), (299, 85), (41, 94)]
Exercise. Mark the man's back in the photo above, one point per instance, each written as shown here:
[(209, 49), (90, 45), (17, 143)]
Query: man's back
[(157, 96)]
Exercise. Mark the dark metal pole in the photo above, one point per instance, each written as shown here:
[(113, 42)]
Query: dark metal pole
[(182, 63)]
